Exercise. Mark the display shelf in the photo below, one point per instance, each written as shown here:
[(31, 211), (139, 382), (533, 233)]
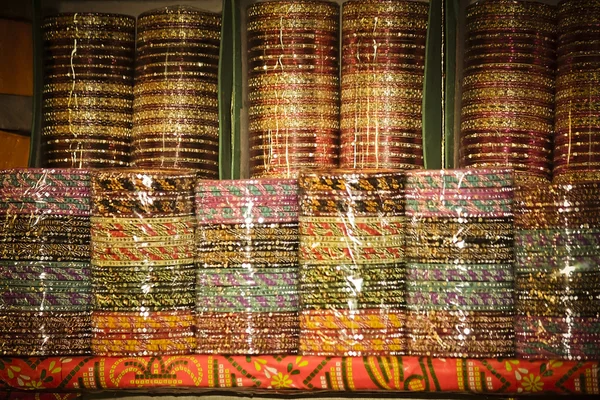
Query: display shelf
[(73, 375)]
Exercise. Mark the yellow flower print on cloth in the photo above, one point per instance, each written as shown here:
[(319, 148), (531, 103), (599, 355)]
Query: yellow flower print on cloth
[(532, 383)]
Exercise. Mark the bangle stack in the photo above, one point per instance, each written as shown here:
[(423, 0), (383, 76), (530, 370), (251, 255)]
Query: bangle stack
[(143, 275), (507, 115), (45, 291), (383, 63), (459, 250), (577, 136), (557, 246), (88, 90), (247, 263), (352, 291), (175, 111), (293, 86)]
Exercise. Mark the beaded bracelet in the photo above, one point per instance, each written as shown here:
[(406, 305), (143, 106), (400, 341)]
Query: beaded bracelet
[(245, 277)]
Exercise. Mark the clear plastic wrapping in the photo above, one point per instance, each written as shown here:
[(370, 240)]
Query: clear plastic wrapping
[(88, 89), (352, 263), (557, 243), (143, 275), (293, 54), (175, 111), (383, 64), (247, 263), (507, 110), (459, 254), (45, 292)]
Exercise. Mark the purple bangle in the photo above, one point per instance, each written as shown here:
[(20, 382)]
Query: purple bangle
[(206, 278), (485, 299), (445, 274)]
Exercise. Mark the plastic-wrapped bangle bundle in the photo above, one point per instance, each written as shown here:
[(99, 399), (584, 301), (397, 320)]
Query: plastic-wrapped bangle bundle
[(247, 263), (558, 271), (45, 291), (459, 251), (176, 116), (352, 263), (507, 116), (383, 62), (143, 274), (293, 50), (88, 90), (577, 130)]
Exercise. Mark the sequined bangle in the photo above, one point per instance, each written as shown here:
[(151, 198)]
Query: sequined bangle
[(247, 344), (462, 349), (326, 274), (210, 233), (336, 227), (248, 249), (249, 292), (111, 348), (460, 230), (551, 282), (163, 181), (345, 254), (44, 251), (324, 206), (500, 299), (129, 241), (352, 346), (46, 236), (36, 301), (150, 301), (45, 322), (49, 285), (238, 215), (138, 320), (46, 347), (343, 300), (158, 208), (65, 271), (151, 251), (442, 272), (175, 227), (379, 319), (339, 287), (245, 277), (272, 303), (345, 242), (554, 305), (448, 320), (41, 208), (124, 278)]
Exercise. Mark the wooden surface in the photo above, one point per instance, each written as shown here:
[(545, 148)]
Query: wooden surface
[(16, 58), (14, 150)]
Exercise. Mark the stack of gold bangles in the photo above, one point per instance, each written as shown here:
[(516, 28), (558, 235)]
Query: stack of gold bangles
[(176, 116), (143, 274), (293, 86), (383, 63), (45, 293), (459, 250), (88, 90), (507, 115), (577, 130), (352, 291), (247, 262)]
